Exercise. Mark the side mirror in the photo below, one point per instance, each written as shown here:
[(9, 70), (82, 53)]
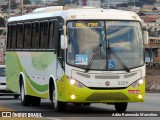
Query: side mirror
[(64, 42), (145, 37)]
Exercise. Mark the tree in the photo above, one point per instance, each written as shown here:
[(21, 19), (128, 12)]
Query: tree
[(2, 22), (74, 1), (26, 2), (147, 1), (4, 7), (14, 5), (60, 3)]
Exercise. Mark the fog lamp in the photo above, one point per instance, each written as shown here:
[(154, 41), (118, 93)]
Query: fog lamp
[(140, 96), (73, 96)]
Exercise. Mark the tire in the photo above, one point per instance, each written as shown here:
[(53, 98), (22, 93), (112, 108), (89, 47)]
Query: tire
[(35, 101), (57, 105), (80, 104), (16, 96), (25, 99), (77, 104), (121, 107), (86, 104)]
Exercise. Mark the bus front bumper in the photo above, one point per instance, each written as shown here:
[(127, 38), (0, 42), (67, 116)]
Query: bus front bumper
[(70, 93)]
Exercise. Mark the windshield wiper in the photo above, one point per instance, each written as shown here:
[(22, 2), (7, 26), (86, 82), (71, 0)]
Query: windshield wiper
[(92, 59), (119, 59)]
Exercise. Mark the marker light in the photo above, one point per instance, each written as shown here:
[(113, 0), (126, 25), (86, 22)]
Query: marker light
[(140, 96), (72, 81), (140, 82), (73, 96)]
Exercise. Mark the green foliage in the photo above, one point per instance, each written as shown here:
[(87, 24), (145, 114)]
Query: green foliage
[(2, 22), (61, 2), (26, 2), (147, 1), (74, 1), (14, 5)]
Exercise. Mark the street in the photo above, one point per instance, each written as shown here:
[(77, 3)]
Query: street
[(151, 105)]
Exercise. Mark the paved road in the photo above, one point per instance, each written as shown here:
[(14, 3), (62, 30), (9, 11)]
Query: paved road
[(100, 111)]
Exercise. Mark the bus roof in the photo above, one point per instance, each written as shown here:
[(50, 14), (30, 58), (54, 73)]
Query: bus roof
[(82, 14)]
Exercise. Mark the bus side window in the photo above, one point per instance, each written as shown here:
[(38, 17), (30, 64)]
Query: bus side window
[(27, 35), (43, 35), (19, 36), (13, 40), (35, 35), (9, 36), (52, 43)]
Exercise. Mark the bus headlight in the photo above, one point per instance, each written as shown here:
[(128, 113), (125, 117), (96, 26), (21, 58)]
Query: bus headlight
[(137, 83), (75, 82)]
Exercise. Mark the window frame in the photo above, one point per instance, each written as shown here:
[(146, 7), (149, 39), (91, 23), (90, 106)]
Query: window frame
[(9, 36), (13, 47), (43, 21), (16, 48), (55, 34), (36, 21), (24, 38)]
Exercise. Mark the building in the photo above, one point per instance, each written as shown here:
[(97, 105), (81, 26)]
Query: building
[(92, 3), (153, 23), (37, 1), (42, 1), (3, 2), (82, 2), (114, 3)]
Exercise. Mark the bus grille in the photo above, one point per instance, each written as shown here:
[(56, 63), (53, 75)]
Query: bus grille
[(107, 96)]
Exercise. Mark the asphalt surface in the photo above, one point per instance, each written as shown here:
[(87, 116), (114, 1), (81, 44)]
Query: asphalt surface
[(149, 109)]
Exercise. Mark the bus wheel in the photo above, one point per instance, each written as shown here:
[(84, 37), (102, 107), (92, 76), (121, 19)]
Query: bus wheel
[(77, 104), (35, 101), (86, 104), (58, 105), (121, 107), (16, 96), (25, 99)]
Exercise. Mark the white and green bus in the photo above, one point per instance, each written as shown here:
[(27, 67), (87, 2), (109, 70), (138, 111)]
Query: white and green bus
[(78, 56)]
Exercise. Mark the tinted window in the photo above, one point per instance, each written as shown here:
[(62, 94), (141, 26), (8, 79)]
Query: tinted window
[(35, 35), (52, 34), (44, 35), (2, 72), (13, 40), (19, 36), (27, 34), (9, 37)]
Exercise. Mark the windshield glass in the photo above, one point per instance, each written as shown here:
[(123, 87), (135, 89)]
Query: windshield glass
[(91, 40), (2, 72)]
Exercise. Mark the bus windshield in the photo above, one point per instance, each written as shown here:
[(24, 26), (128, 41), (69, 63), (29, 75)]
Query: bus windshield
[(97, 42)]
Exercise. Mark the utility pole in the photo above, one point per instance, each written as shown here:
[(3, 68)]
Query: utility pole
[(9, 8), (44, 2), (21, 7)]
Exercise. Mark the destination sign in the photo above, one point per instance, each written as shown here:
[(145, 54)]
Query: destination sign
[(87, 24)]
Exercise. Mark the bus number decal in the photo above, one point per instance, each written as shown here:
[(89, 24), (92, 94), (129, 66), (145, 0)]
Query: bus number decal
[(122, 82), (81, 59)]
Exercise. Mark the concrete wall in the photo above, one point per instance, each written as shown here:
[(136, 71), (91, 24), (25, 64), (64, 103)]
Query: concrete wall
[(153, 83)]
